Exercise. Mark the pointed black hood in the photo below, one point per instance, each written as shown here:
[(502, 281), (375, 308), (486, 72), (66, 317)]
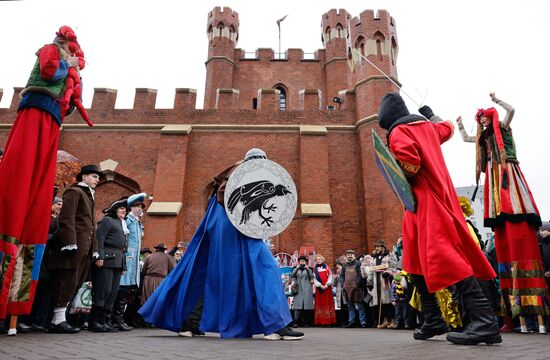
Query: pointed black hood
[(393, 112)]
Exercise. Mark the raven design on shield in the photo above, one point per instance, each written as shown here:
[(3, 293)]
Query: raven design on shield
[(254, 196)]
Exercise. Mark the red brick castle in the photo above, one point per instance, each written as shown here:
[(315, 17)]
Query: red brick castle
[(282, 104)]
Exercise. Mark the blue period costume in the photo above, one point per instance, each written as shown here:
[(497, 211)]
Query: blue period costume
[(131, 277), (235, 275)]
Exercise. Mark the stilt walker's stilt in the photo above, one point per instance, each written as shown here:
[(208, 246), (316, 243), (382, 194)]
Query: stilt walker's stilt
[(13, 326), (542, 327), (522, 325)]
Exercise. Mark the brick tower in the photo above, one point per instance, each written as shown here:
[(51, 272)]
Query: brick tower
[(375, 37), (223, 33), (334, 31)]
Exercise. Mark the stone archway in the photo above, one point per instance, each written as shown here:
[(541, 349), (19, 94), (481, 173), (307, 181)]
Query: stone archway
[(112, 186)]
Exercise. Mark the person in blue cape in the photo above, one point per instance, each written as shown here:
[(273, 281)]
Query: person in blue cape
[(225, 283)]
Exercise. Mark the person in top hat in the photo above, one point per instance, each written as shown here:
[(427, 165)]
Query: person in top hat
[(28, 172), (75, 246), (130, 279), (510, 210), (155, 268), (112, 233), (226, 282), (303, 299), (437, 247)]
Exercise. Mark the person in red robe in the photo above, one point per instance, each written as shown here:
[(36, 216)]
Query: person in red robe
[(325, 314), (437, 247), (28, 172)]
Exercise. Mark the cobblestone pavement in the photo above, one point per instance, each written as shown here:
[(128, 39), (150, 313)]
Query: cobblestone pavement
[(318, 344)]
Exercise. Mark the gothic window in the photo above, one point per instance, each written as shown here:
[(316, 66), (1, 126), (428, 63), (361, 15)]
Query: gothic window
[(210, 32), (231, 32), (360, 46), (340, 30), (282, 97), (220, 29), (380, 40), (327, 35), (393, 50)]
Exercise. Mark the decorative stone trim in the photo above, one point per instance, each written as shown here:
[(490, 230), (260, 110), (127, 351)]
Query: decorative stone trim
[(366, 121), (176, 130), (164, 208), (315, 210), (313, 130)]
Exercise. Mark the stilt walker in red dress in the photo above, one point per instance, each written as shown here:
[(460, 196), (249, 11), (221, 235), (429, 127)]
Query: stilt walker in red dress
[(511, 212), (27, 173), (438, 250)]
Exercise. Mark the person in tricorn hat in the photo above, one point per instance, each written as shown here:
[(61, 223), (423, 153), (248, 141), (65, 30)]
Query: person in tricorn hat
[(130, 280), (155, 268), (77, 243), (111, 237), (437, 247), (226, 282), (28, 173)]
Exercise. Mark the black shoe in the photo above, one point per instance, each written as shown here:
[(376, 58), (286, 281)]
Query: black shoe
[(285, 334), (110, 327), (363, 326), (483, 326), (63, 328), (96, 327), (349, 325), (38, 328), (197, 332), (23, 328), (121, 325)]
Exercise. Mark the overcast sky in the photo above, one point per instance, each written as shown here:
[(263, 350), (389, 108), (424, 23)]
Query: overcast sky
[(452, 52)]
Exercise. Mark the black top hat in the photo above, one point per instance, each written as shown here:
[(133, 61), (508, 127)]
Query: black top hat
[(160, 246), (88, 169), (145, 250), (112, 209)]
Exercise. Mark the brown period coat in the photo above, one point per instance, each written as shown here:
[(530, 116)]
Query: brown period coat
[(76, 226)]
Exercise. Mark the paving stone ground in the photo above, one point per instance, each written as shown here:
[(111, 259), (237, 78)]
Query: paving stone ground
[(319, 343)]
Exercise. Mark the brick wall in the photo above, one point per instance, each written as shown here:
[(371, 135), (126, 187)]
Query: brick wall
[(172, 154)]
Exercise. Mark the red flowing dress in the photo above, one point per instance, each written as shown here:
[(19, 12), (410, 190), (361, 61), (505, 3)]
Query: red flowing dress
[(324, 301), (436, 240), (27, 174)]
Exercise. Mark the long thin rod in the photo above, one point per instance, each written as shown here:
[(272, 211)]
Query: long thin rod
[(383, 73)]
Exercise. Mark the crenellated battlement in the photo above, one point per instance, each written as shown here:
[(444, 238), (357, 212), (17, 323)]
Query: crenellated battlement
[(268, 54), (224, 15)]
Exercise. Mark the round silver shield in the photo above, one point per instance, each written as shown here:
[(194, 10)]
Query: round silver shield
[(260, 198)]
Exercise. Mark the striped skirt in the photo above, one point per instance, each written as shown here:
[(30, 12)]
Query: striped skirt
[(511, 211)]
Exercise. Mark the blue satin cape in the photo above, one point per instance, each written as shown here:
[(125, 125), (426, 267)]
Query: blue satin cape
[(240, 280)]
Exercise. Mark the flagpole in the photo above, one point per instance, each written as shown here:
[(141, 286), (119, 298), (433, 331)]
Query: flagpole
[(279, 25)]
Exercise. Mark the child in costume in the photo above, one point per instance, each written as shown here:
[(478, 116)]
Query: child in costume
[(510, 210)]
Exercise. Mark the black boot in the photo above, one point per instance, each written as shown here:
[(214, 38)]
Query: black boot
[(483, 326), (117, 319), (433, 322), (95, 324)]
